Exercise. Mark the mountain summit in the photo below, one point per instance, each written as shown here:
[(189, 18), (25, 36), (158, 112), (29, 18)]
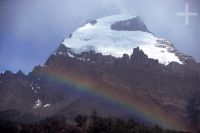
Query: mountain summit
[(119, 34), (132, 24), (113, 65)]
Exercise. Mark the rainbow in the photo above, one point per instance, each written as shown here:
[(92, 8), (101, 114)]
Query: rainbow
[(139, 108)]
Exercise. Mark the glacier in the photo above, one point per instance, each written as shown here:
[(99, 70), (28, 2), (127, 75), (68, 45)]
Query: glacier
[(102, 39)]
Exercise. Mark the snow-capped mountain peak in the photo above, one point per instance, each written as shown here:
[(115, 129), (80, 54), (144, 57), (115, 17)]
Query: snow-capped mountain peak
[(119, 34)]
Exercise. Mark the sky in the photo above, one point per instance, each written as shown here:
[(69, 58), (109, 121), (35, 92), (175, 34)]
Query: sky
[(31, 30)]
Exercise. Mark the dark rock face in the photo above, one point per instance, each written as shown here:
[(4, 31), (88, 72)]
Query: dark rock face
[(145, 77), (92, 22), (137, 58), (63, 50), (15, 92), (182, 57), (138, 55), (135, 24)]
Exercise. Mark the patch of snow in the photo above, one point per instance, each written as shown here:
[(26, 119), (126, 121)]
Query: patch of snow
[(60, 53), (32, 86), (46, 105), (82, 59), (38, 87), (164, 57), (66, 53), (70, 55), (101, 38), (92, 61), (38, 104)]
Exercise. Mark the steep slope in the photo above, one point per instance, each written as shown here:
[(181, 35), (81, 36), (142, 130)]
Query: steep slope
[(128, 87)]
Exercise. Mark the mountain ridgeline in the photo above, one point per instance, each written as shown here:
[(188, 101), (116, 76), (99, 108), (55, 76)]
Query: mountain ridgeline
[(171, 88), (137, 85)]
